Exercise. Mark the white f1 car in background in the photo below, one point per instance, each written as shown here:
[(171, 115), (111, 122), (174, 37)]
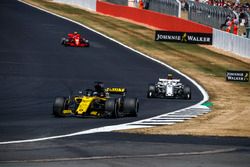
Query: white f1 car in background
[(169, 88)]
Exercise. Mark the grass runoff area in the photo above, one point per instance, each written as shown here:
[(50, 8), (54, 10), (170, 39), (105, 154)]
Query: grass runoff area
[(231, 100)]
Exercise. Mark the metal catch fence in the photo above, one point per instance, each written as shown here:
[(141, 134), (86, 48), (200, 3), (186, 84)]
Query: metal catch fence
[(247, 25), (171, 7), (213, 16), (119, 2)]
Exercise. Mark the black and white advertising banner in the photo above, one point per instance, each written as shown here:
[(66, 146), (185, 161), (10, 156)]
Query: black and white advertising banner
[(184, 37), (242, 76)]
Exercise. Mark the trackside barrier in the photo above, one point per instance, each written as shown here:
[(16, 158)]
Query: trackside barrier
[(86, 4), (170, 7), (151, 18), (230, 42)]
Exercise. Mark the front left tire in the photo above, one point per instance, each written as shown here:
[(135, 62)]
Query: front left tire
[(111, 107)]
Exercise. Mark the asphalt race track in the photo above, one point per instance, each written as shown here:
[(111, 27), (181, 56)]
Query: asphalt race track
[(35, 68)]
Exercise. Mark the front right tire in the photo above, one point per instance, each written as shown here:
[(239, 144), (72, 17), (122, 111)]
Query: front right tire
[(187, 93), (63, 40), (131, 106), (59, 106), (151, 91)]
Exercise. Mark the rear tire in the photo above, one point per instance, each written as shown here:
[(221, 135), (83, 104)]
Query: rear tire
[(131, 106), (59, 106), (111, 108)]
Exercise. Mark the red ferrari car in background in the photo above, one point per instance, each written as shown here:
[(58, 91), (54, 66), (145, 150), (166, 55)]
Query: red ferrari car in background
[(76, 40)]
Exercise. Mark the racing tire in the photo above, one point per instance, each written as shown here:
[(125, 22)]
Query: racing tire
[(112, 108), (63, 40), (131, 106), (151, 91), (59, 106), (86, 42), (119, 103), (187, 93)]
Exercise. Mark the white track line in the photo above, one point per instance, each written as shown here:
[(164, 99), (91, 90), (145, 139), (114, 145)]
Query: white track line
[(113, 127)]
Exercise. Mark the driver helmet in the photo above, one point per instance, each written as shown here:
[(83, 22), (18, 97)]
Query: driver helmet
[(106, 94), (75, 33), (170, 76), (89, 93), (102, 94), (95, 93), (80, 92)]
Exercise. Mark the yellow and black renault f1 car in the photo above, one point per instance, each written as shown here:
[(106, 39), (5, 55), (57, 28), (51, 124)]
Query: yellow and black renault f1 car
[(98, 102)]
